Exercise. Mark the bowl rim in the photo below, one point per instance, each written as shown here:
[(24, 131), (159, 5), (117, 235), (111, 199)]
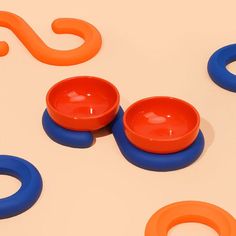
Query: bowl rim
[(127, 127), (114, 106)]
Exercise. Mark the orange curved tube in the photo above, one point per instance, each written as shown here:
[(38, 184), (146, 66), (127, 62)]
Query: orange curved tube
[(48, 55), (191, 211)]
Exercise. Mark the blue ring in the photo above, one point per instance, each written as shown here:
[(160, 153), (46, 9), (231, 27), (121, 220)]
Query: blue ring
[(217, 67), (153, 161), (66, 137), (30, 190)]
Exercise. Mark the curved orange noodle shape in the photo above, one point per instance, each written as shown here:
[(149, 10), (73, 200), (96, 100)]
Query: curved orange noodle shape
[(38, 49)]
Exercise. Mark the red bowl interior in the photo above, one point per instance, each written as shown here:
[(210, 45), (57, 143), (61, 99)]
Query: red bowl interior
[(161, 119), (83, 98)]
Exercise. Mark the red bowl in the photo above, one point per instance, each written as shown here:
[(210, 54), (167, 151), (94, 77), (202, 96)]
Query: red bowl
[(83, 103), (161, 124)]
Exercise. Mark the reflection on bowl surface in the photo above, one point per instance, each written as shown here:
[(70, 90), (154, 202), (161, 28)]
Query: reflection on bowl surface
[(83, 103), (161, 124), (76, 103)]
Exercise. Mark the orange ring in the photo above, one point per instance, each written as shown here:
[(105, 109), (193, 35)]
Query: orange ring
[(191, 211)]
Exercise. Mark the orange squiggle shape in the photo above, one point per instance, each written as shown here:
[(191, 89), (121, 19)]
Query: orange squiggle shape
[(45, 54)]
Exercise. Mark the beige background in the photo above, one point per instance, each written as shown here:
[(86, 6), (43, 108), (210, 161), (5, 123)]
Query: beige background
[(150, 48)]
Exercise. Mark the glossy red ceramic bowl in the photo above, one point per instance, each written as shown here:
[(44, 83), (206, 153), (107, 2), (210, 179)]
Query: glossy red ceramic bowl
[(161, 124), (83, 103)]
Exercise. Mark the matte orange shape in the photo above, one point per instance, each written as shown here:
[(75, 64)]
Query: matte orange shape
[(83, 103), (161, 124), (48, 55), (4, 49), (191, 211)]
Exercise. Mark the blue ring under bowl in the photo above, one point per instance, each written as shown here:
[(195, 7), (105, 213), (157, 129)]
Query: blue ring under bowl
[(30, 190), (153, 161), (145, 160)]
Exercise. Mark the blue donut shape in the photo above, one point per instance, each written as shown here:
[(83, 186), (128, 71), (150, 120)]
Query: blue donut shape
[(30, 190), (145, 160), (153, 161), (217, 67)]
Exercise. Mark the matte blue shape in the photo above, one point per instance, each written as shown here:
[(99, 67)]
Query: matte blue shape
[(30, 190), (217, 67), (153, 161), (145, 160), (64, 136)]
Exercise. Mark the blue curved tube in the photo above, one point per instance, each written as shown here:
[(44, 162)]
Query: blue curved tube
[(217, 67), (30, 190), (145, 160)]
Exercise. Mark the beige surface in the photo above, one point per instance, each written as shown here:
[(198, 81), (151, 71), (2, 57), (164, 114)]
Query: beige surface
[(150, 48)]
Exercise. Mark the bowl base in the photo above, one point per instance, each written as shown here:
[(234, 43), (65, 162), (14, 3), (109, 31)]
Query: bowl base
[(136, 156), (153, 161)]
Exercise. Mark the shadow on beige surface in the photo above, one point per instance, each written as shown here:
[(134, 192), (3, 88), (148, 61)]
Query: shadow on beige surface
[(208, 133)]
